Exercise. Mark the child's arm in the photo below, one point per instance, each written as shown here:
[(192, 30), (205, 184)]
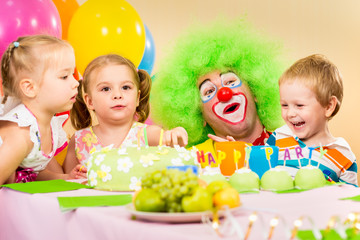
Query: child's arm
[(70, 160), (175, 136), (77, 172), (15, 147), (54, 166)]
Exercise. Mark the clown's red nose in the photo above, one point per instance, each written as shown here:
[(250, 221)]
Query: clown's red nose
[(224, 94)]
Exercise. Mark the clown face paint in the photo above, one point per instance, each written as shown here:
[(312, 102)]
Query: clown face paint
[(230, 80), (208, 89), (233, 110), (236, 114)]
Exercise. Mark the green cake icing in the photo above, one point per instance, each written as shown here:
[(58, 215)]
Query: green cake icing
[(277, 179), (115, 169), (244, 180), (309, 177)]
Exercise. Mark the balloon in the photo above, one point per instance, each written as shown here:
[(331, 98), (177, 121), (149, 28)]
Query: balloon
[(27, 17), (149, 121), (66, 10), (100, 27), (148, 59)]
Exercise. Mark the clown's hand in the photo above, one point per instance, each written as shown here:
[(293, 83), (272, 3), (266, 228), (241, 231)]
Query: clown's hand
[(176, 136), (220, 139)]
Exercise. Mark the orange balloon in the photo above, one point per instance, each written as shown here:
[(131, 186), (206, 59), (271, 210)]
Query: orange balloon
[(66, 9)]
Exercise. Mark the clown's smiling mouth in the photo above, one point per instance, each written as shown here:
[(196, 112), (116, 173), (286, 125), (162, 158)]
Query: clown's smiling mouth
[(231, 108)]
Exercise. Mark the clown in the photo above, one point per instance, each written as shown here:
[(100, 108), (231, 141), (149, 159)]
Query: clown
[(220, 81)]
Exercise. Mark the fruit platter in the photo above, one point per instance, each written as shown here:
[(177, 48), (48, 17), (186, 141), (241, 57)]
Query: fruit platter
[(171, 195)]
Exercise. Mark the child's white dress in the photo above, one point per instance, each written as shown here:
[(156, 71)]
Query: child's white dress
[(36, 160)]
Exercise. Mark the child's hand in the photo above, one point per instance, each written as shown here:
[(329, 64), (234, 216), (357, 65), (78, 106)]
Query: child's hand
[(176, 136), (220, 139), (79, 171)]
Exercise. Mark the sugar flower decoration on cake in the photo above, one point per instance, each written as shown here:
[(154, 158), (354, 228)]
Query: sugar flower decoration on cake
[(135, 183), (122, 151), (88, 162), (148, 160), (92, 178), (185, 155), (162, 151), (211, 170), (89, 139), (99, 158), (177, 162), (104, 173), (124, 164)]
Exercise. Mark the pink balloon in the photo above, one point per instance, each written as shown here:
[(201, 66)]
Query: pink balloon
[(27, 17), (149, 121)]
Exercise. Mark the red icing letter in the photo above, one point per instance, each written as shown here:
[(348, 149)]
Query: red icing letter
[(200, 156)]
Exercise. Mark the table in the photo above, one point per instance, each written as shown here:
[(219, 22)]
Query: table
[(38, 216)]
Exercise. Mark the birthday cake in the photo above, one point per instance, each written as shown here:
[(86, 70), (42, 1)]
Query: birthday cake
[(121, 169)]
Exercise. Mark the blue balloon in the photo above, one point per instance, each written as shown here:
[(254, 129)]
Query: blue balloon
[(148, 59)]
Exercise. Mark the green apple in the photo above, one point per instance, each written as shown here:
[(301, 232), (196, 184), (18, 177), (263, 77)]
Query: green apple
[(148, 200), (199, 201), (277, 179), (217, 185), (309, 177), (209, 178), (245, 180)]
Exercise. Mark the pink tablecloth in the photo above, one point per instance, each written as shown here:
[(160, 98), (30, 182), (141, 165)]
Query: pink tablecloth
[(38, 216)]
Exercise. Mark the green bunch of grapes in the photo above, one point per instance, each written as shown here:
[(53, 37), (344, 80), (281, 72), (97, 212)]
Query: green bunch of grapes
[(172, 185)]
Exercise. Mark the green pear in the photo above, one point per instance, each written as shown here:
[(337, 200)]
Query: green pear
[(199, 201)]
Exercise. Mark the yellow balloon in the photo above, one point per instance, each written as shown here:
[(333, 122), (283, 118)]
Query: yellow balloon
[(100, 27)]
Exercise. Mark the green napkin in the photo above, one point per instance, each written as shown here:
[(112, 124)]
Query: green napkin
[(71, 203), (330, 235), (295, 190), (355, 198), (57, 185)]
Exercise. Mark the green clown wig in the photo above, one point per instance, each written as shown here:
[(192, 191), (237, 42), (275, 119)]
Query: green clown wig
[(225, 46)]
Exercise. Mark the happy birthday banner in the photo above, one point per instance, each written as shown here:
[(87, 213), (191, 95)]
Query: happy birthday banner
[(234, 155)]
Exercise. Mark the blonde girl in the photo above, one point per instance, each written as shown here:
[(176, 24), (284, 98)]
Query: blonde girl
[(118, 94), (37, 80)]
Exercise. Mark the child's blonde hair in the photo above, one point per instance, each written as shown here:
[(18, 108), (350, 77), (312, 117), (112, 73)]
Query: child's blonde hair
[(320, 75), (80, 115), (29, 57)]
